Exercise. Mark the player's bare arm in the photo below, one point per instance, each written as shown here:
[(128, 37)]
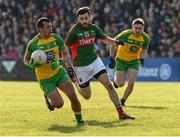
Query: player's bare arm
[(144, 53), (112, 51), (113, 42), (66, 58), (109, 40), (26, 59)]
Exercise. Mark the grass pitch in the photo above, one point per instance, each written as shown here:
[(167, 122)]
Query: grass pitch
[(156, 107)]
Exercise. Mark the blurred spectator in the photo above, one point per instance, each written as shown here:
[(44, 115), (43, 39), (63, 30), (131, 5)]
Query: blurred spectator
[(12, 52), (161, 16)]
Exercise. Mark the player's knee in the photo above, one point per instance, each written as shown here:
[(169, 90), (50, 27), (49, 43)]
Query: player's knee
[(131, 83), (59, 105), (86, 93), (87, 97), (121, 84)]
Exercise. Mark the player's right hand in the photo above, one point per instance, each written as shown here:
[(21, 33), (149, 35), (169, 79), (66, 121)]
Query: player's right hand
[(55, 64), (33, 64), (111, 62), (142, 62), (120, 42)]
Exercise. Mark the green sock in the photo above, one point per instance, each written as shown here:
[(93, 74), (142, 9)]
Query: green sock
[(78, 116), (123, 101)]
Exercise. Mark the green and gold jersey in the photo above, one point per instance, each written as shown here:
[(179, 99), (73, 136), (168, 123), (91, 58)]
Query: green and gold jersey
[(133, 45), (81, 41), (52, 46)]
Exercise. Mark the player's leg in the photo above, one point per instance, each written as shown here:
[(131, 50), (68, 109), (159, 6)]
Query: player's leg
[(132, 75), (68, 89), (119, 81), (100, 74), (64, 84), (132, 71), (83, 75), (120, 73), (119, 78), (55, 99), (104, 79), (84, 89), (52, 97)]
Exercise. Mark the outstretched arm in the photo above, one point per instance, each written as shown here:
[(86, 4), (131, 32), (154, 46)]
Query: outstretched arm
[(111, 41)]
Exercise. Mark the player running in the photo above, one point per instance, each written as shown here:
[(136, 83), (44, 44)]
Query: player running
[(128, 56), (52, 75), (87, 64)]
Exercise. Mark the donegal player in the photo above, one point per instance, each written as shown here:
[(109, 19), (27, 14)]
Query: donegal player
[(87, 64), (51, 75), (129, 55)]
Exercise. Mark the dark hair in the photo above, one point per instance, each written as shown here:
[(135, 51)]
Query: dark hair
[(39, 23), (138, 21), (83, 10)]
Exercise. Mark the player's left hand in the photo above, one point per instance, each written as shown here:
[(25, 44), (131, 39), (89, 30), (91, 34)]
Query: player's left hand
[(55, 64), (120, 42), (142, 62)]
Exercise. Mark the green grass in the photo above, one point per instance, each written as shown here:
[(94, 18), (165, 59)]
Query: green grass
[(155, 105)]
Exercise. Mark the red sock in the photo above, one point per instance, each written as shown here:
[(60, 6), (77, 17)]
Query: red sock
[(120, 110)]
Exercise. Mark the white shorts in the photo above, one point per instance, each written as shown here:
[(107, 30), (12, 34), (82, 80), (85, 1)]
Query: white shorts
[(84, 74)]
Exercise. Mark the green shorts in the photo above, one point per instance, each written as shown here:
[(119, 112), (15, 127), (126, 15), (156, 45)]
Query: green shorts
[(49, 85), (122, 65)]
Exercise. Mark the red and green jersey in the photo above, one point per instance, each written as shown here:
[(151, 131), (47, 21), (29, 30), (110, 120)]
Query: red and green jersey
[(81, 42), (52, 46), (133, 45)]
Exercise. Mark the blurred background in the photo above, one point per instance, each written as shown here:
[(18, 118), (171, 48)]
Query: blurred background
[(162, 23)]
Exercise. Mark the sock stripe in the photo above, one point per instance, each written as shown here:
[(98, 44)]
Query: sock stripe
[(77, 113)]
